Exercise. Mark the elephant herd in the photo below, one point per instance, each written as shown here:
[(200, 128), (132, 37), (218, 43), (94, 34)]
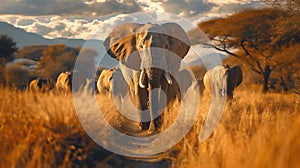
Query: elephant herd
[(149, 70), (63, 83)]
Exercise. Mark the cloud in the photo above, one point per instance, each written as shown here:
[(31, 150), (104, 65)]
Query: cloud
[(60, 26), (68, 7), (69, 27), (86, 18), (186, 8), (196, 8), (148, 6), (234, 7), (41, 28), (25, 21), (98, 8)]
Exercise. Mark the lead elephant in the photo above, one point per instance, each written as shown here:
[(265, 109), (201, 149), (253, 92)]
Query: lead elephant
[(150, 57), (222, 80)]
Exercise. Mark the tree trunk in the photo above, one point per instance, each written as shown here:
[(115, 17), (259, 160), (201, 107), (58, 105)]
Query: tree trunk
[(283, 84), (266, 77)]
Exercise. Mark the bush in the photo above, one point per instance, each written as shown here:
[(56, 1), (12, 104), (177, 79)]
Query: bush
[(17, 77)]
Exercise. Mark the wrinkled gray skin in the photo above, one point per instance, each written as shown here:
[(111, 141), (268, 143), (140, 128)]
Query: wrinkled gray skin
[(149, 56), (221, 74)]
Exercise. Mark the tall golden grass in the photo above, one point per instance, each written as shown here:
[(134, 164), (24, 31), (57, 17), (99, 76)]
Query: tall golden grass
[(256, 130), (42, 130)]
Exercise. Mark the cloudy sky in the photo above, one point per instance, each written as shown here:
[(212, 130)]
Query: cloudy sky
[(82, 18)]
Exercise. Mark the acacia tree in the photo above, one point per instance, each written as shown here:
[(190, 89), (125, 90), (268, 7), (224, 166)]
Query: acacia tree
[(7, 49), (56, 58), (291, 5), (254, 36), (289, 69)]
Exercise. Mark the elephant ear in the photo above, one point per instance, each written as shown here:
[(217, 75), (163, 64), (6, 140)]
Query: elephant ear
[(235, 77), (120, 44), (178, 39)]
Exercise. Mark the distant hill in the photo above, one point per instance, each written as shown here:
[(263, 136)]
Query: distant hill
[(23, 38)]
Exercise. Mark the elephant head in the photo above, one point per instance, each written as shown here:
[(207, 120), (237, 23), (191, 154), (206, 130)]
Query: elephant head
[(149, 56)]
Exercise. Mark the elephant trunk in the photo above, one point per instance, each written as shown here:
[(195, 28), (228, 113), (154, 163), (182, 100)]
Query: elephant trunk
[(154, 87), (153, 58), (154, 76), (142, 78), (154, 68)]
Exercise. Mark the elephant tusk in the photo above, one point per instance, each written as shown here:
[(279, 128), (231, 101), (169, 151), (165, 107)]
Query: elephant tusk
[(142, 78), (168, 77)]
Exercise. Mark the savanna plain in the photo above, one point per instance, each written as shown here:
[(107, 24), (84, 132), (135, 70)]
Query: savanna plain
[(256, 130), (259, 127)]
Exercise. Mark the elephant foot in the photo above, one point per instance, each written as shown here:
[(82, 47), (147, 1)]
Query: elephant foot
[(144, 125), (152, 128), (158, 122)]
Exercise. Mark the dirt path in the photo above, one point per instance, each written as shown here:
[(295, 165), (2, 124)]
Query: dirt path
[(161, 160), (130, 128)]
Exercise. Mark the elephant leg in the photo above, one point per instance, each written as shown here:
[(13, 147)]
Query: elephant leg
[(173, 91), (157, 102), (229, 94), (142, 100), (163, 101)]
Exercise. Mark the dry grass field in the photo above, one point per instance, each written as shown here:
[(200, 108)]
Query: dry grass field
[(256, 130)]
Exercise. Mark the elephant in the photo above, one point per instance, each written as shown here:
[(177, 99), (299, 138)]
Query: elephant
[(222, 80), (64, 82), (41, 84), (104, 81), (150, 56)]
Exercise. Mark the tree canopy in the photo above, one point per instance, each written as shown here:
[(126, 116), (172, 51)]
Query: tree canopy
[(7, 49), (260, 38), (55, 59)]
